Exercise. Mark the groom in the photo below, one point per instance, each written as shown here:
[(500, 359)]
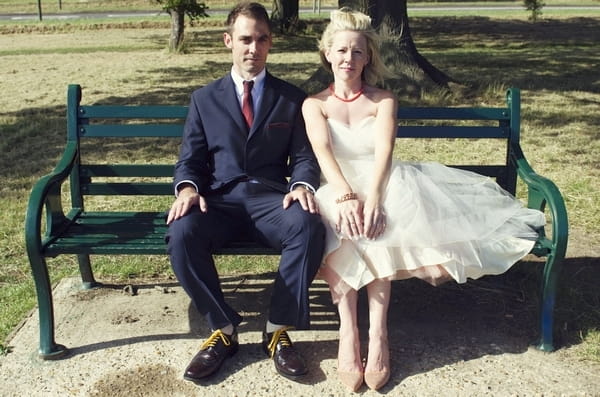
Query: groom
[(239, 148)]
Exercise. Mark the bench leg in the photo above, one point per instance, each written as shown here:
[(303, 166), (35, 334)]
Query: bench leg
[(549, 283), (85, 269), (49, 349)]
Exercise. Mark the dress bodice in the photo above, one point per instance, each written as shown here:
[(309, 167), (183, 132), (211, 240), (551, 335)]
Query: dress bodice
[(352, 143)]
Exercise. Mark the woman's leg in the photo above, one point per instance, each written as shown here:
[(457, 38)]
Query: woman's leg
[(349, 359), (377, 370), (350, 368)]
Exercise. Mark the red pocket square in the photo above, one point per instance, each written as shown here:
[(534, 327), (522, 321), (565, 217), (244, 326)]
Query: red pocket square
[(279, 125)]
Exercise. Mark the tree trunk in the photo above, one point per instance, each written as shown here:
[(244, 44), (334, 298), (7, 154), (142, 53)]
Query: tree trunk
[(285, 15), (177, 27), (398, 49), (413, 72)]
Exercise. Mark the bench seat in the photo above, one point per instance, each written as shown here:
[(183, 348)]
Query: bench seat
[(127, 233)]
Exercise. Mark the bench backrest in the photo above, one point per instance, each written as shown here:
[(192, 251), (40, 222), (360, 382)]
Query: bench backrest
[(96, 121), (483, 123)]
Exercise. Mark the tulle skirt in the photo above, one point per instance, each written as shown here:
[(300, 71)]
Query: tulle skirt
[(442, 224)]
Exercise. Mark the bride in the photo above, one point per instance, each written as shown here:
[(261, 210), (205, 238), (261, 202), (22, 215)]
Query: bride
[(389, 219)]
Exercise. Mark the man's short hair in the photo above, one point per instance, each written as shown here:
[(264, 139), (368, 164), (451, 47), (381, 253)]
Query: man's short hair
[(250, 10)]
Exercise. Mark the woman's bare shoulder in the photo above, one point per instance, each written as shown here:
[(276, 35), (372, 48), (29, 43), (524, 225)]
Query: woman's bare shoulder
[(315, 101)]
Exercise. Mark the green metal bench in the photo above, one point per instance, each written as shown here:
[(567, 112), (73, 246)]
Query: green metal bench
[(52, 230)]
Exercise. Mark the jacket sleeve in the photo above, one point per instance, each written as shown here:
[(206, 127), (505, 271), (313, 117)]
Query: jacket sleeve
[(193, 157), (303, 166)]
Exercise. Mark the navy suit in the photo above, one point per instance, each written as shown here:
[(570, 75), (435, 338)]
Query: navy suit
[(243, 175)]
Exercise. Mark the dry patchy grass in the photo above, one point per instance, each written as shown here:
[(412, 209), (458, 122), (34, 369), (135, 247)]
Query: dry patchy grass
[(554, 62)]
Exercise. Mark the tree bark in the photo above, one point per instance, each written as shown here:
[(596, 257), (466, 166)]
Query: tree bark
[(285, 15), (177, 28), (398, 49)]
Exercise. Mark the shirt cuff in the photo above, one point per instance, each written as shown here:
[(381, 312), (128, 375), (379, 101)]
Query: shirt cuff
[(306, 185), (182, 182)]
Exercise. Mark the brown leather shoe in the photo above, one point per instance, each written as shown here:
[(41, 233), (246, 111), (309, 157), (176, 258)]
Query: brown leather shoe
[(288, 362), (211, 356)]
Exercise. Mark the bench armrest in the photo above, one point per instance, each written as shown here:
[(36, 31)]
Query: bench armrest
[(543, 192), (46, 193)]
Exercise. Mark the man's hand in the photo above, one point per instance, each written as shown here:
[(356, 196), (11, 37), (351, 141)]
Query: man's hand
[(186, 199), (304, 197)]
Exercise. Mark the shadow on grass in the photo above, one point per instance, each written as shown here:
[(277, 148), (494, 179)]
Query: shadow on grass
[(553, 55)]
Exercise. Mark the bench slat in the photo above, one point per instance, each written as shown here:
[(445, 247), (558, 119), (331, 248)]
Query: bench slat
[(439, 113), (492, 171), (127, 170), (438, 131), (130, 130), (128, 233), (128, 189), (127, 112)]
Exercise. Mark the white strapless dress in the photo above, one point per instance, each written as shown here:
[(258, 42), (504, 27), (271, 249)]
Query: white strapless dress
[(442, 223)]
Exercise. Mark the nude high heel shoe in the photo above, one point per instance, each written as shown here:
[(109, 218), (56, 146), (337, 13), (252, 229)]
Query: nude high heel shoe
[(352, 380), (376, 380)]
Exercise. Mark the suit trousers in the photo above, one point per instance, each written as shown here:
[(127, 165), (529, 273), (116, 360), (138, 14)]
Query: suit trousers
[(256, 210)]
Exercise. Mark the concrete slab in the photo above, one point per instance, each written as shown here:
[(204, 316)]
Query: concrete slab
[(457, 340)]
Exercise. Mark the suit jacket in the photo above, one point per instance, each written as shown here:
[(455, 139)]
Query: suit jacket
[(217, 147)]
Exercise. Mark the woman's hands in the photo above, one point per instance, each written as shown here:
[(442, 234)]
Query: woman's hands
[(360, 219), (374, 220), (350, 218)]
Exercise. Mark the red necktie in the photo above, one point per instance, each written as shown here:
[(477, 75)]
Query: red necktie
[(247, 103)]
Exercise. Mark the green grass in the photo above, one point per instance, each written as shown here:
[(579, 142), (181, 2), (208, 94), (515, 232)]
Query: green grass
[(553, 61)]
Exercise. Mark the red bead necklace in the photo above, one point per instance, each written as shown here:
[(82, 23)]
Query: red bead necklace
[(354, 98)]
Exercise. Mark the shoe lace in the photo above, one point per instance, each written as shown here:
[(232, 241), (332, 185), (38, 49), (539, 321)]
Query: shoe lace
[(279, 336), (214, 338)]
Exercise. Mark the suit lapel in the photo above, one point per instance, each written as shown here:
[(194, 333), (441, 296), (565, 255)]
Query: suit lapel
[(229, 97), (266, 104)]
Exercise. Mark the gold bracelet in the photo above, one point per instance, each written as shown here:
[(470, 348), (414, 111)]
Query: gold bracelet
[(346, 197)]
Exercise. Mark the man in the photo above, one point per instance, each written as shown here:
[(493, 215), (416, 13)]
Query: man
[(238, 149)]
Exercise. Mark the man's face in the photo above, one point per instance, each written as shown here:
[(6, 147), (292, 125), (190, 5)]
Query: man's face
[(250, 42)]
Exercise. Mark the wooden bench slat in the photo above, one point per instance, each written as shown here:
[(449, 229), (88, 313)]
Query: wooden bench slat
[(132, 112), (130, 130), (127, 170), (128, 189), (236, 248), (105, 233), (452, 113), (436, 131)]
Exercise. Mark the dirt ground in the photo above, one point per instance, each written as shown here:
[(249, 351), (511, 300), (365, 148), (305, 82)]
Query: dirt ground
[(465, 340)]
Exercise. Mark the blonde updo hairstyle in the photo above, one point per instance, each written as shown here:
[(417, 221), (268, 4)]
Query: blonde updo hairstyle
[(346, 19)]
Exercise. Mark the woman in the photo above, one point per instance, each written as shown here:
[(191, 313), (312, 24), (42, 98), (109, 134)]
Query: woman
[(393, 220)]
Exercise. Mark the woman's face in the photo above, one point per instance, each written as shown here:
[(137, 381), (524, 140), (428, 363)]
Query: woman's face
[(348, 55)]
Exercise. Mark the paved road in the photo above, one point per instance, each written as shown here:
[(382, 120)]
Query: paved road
[(133, 14)]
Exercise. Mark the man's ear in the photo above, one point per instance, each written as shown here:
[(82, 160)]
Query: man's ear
[(227, 39)]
